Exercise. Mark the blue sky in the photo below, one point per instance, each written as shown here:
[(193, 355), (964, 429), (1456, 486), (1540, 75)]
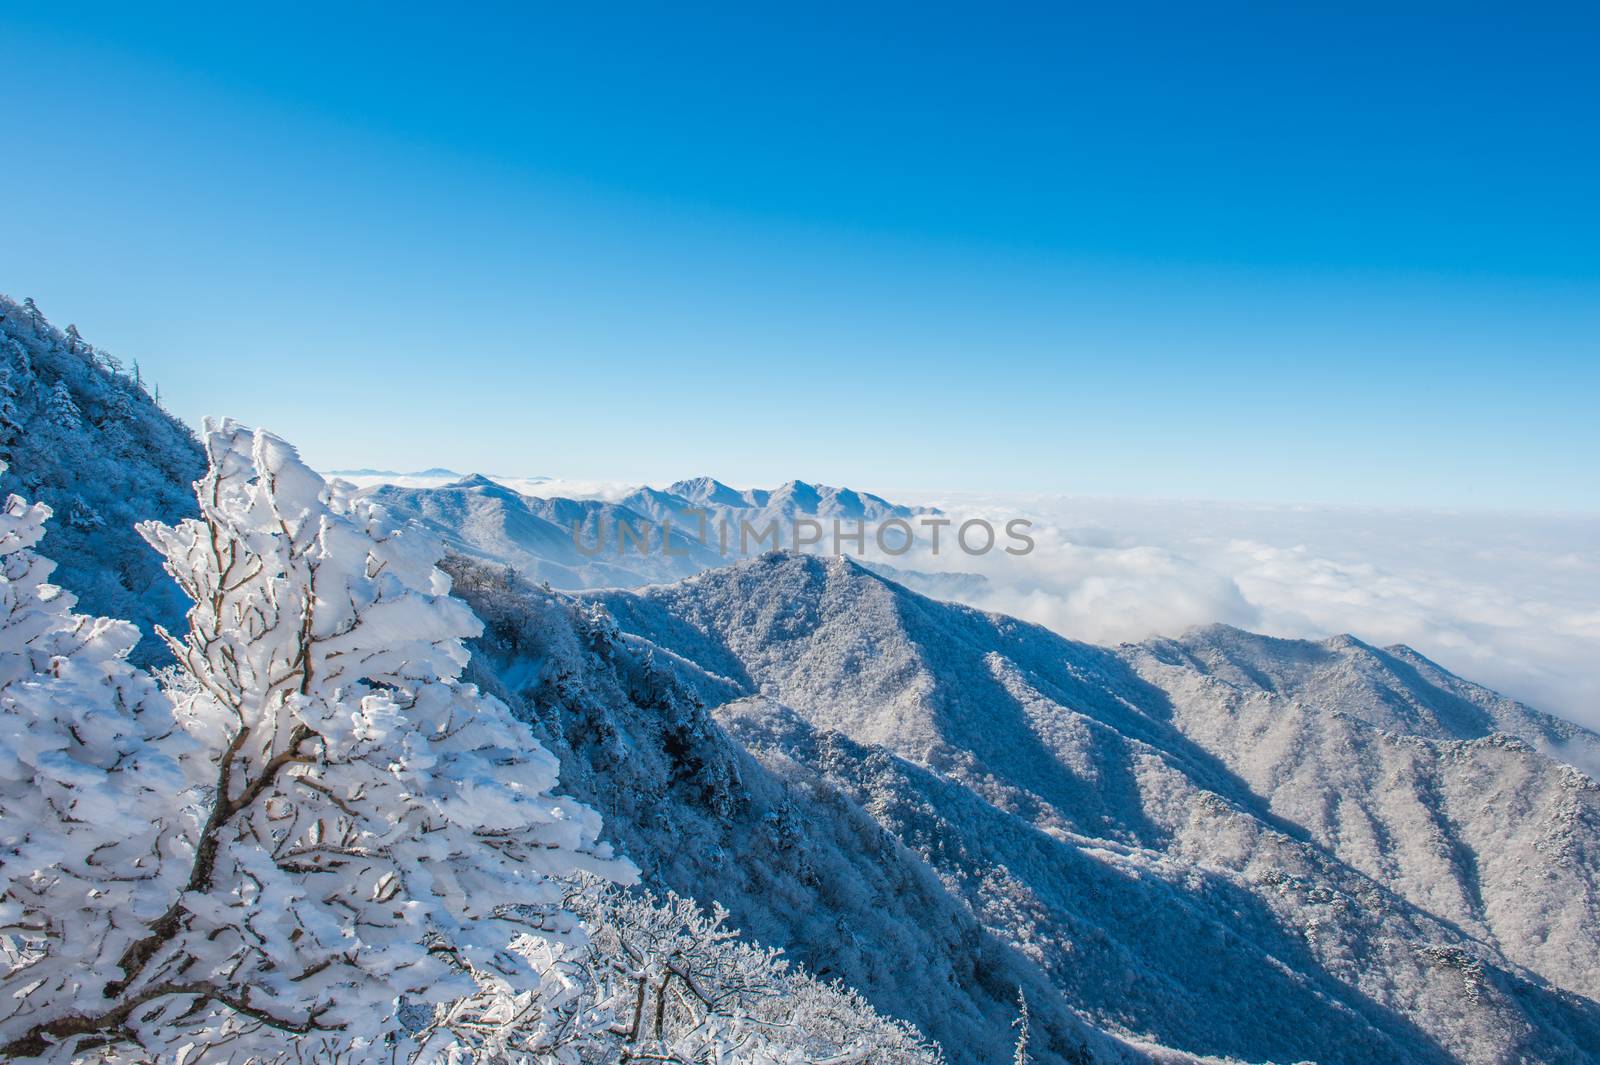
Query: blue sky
[(1240, 253)]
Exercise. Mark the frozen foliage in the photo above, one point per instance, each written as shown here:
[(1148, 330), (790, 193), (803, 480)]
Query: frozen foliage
[(1130, 832), (359, 828), (664, 980), (89, 818), (83, 435), (681, 986)]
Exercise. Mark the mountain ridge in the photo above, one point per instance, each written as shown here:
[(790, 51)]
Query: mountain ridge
[(1101, 768)]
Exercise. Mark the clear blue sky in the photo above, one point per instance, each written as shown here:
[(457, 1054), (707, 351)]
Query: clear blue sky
[(1175, 250)]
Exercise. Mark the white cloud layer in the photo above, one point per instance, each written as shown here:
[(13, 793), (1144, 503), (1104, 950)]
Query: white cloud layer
[(1511, 601)]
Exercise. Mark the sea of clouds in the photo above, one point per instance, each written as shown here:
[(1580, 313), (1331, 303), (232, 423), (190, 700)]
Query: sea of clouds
[(1511, 601)]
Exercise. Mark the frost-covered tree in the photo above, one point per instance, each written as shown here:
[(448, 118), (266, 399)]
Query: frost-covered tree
[(61, 410), (362, 831), (34, 315), (662, 980), (81, 515), (119, 404), (681, 986), (1020, 1055), (90, 817)]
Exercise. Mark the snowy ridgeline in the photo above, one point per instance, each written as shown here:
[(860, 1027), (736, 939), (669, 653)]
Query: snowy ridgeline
[(644, 536), (311, 840)]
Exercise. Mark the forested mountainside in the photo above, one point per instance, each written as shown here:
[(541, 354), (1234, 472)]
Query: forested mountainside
[(1088, 816), (795, 860), (83, 434), (1394, 689)]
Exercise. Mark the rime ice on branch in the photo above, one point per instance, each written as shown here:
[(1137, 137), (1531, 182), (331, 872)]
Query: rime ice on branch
[(359, 828), (92, 837)]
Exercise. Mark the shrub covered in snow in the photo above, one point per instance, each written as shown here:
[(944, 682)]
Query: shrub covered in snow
[(663, 980), (91, 811), (681, 986), (317, 820)]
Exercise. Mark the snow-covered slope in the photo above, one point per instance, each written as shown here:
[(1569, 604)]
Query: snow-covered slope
[(1094, 815), (83, 435), (796, 861), (1392, 688), (1429, 784)]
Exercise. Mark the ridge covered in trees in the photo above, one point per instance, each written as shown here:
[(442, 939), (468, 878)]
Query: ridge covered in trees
[(84, 433)]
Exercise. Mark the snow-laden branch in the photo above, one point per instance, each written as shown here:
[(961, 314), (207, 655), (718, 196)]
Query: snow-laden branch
[(317, 822), (678, 985)]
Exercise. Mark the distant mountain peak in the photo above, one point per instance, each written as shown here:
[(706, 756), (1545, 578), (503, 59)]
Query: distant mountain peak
[(708, 490), (791, 498), (474, 480), (802, 493)]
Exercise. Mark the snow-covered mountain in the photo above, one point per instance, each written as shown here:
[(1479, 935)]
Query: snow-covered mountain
[(789, 500), (84, 434), (796, 861), (484, 519), (1228, 861), (367, 471), (725, 516), (595, 543), (1452, 796)]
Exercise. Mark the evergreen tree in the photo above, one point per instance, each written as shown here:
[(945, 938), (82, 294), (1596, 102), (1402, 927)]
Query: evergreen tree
[(60, 410)]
